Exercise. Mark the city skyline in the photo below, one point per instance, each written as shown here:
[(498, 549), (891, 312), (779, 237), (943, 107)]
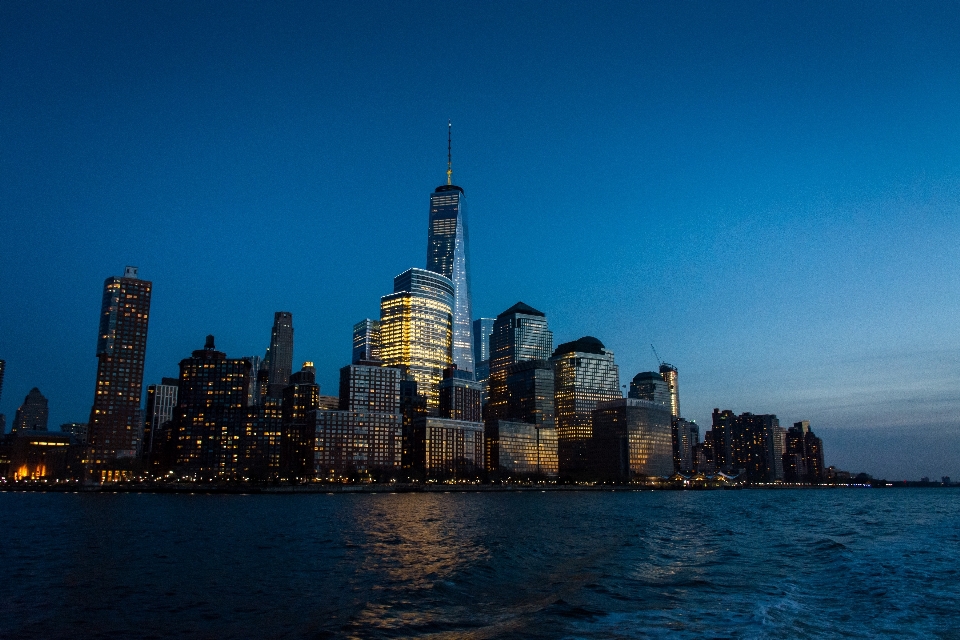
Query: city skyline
[(808, 271)]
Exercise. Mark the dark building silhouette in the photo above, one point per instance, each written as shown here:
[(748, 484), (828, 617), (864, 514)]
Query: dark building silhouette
[(721, 439), (447, 254), (300, 398), (482, 328), (277, 364), (459, 395), (3, 418), (585, 375), (39, 455), (444, 449), (263, 442), (686, 439), (803, 455), (76, 430), (210, 415), (161, 403), (116, 423), (32, 414), (748, 444)]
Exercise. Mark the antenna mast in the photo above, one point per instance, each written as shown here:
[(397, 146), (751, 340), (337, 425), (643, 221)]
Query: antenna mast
[(449, 157)]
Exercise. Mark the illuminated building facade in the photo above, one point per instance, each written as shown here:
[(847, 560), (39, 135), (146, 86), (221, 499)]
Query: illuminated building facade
[(366, 341), (519, 335), (38, 455), (416, 329), (669, 374), (370, 389), (443, 449), (754, 447), (210, 415), (585, 375), (116, 423), (447, 254), (526, 450), (459, 396), (161, 402), (278, 362), (32, 414), (262, 441), (632, 439)]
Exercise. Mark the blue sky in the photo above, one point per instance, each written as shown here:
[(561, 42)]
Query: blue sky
[(766, 191)]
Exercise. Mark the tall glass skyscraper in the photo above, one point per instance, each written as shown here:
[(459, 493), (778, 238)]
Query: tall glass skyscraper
[(416, 328), (278, 362), (447, 254)]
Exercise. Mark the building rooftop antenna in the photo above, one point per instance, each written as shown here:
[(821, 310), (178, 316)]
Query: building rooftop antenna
[(449, 157)]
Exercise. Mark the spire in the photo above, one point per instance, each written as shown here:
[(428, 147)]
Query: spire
[(449, 157)]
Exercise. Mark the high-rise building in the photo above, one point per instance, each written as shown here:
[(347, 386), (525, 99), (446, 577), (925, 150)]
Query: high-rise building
[(755, 449), (300, 398), (447, 254), (526, 450), (686, 435), (632, 439), (585, 375), (366, 341), (3, 419), (721, 439), (32, 414), (518, 393), (459, 395), (278, 361), (416, 329), (365, 435), (210, 414), (116, 424), (263, 441), (803, 455), (482, 328), (444, 449), (161, 403), (650, 386), (669, 374)]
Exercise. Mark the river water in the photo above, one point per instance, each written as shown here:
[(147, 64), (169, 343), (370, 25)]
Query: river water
[(858, 563)]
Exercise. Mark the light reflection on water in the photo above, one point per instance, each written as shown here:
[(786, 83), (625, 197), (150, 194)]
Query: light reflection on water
[(477, 565)]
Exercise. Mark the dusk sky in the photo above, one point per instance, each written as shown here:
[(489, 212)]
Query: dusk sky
[(769, 192)]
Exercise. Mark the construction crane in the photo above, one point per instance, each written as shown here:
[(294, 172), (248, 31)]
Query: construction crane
[(656, 355)]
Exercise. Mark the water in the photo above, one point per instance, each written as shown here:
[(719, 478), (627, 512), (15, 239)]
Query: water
[(720, 564)]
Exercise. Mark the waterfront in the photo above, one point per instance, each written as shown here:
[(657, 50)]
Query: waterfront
[(744, 564)]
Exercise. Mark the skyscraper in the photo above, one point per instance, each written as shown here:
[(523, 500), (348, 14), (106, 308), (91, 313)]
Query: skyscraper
[(669, 374), (584, 376), (366, 341), (482, 328), (32, 414), (3, 419), (161, 402), (211, 409), (115, 425), (632, 438), (416, 328), (447, 254), (278, 362), (650, 386)]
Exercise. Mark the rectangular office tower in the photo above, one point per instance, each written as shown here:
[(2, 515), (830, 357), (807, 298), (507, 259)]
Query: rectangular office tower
[(442, 449), (366, 341), (115, 425), (526, 450), (416, 329), (459, 395), (447, 254), (584, 376), (632, 439)]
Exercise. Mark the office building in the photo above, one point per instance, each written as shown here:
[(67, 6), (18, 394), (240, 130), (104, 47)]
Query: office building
[(632, 439), (585, 375), (370, 389), (650, 386), (161, 403), (530, 392), (210, 415), (32, 414), (482, 328), (278, 361), (416, 329), (3, 418), (460, 395), (366, 341), (328, 403), (447, 255), (721, 434), (443, 449), (262, 441), (526, 450), (42, 455), (686, 439), (669, 374), (116, 422)]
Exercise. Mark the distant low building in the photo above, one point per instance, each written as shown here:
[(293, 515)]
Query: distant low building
[(632, 439), (527, 450), (443, 449)]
